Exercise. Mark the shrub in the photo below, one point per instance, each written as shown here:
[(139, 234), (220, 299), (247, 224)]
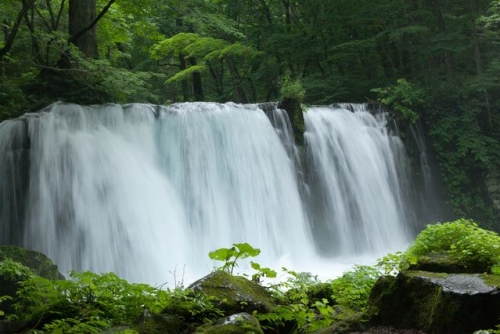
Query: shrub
[(352, 289), (461, 240), (291, 89)]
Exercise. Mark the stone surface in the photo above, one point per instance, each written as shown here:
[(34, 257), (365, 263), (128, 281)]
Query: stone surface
[(235, 294), (40, 264), (442, 263), (436, 302), (240, 323), (296, 116)]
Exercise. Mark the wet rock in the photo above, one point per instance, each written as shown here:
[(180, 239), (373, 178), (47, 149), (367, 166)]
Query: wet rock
[(241, 323), (436, 302), (235, 294)]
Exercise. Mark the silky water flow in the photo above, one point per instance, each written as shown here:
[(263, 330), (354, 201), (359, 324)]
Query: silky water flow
[(148, 191)]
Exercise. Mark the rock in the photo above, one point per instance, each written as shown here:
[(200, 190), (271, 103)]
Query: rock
[(236, 294), (442, 263), (240, 323), (436, 302), (10, 274), (161, 323), (40, 264), (349, 324), (296, 115)]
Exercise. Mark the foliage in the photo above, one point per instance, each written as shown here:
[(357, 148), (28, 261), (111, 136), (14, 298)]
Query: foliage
[(462, 240), (401, 98), (352, 289), (262, 271), (3, 299), (392, 264), (291, 89), (297, 307), (189, 304), (14, 271), (230, 255), (88, 303)]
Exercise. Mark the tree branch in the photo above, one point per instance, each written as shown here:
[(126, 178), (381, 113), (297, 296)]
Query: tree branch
[(79, 34), (12, 35)]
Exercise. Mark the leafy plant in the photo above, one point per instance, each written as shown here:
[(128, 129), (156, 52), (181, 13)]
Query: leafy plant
[(262, 271), (463, 240), (230, 255), (296, 305), (352, 289), (402, 97), (14, 271), (391, 264), (88, 303), (291, 88)]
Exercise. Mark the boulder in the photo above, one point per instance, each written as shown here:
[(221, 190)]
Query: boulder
[(40, 264), (18, 264), (436, 302), (443, 263), (235, 294), (241, 323)]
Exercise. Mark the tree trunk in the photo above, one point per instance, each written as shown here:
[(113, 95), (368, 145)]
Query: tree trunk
[(81, 15), (197, 84), (184, 83)]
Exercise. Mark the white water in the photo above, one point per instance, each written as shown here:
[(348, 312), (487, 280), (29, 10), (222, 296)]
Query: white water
[(357, 202), (146, 191)]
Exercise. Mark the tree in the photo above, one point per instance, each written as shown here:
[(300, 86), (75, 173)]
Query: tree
[(82, 25)]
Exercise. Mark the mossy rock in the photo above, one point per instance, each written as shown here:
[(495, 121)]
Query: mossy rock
[(352, 323), (240, 323), (442, 263), (162, 323), (235, 294), (435, 302), (40, 264), (294, 110), (18, 264), (321, 291)]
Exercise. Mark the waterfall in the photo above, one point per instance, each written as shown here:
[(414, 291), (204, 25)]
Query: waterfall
[(357, 198), (147, 191)]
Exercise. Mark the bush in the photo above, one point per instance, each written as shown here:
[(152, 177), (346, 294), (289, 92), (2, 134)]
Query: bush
[(352, 289), (462, 240), (291, 89)]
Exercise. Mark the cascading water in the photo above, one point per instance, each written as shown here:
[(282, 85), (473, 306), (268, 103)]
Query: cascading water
[(357, 200), (118, 189), (144, 190)]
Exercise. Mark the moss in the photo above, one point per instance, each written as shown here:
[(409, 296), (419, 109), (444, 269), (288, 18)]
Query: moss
[(236, 294), (417, 273), (320, 291), (441, 262), (417, 296), (353, 323), (491, 280), (40, 264), (159, 324), (422, 300), (241, 323)]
